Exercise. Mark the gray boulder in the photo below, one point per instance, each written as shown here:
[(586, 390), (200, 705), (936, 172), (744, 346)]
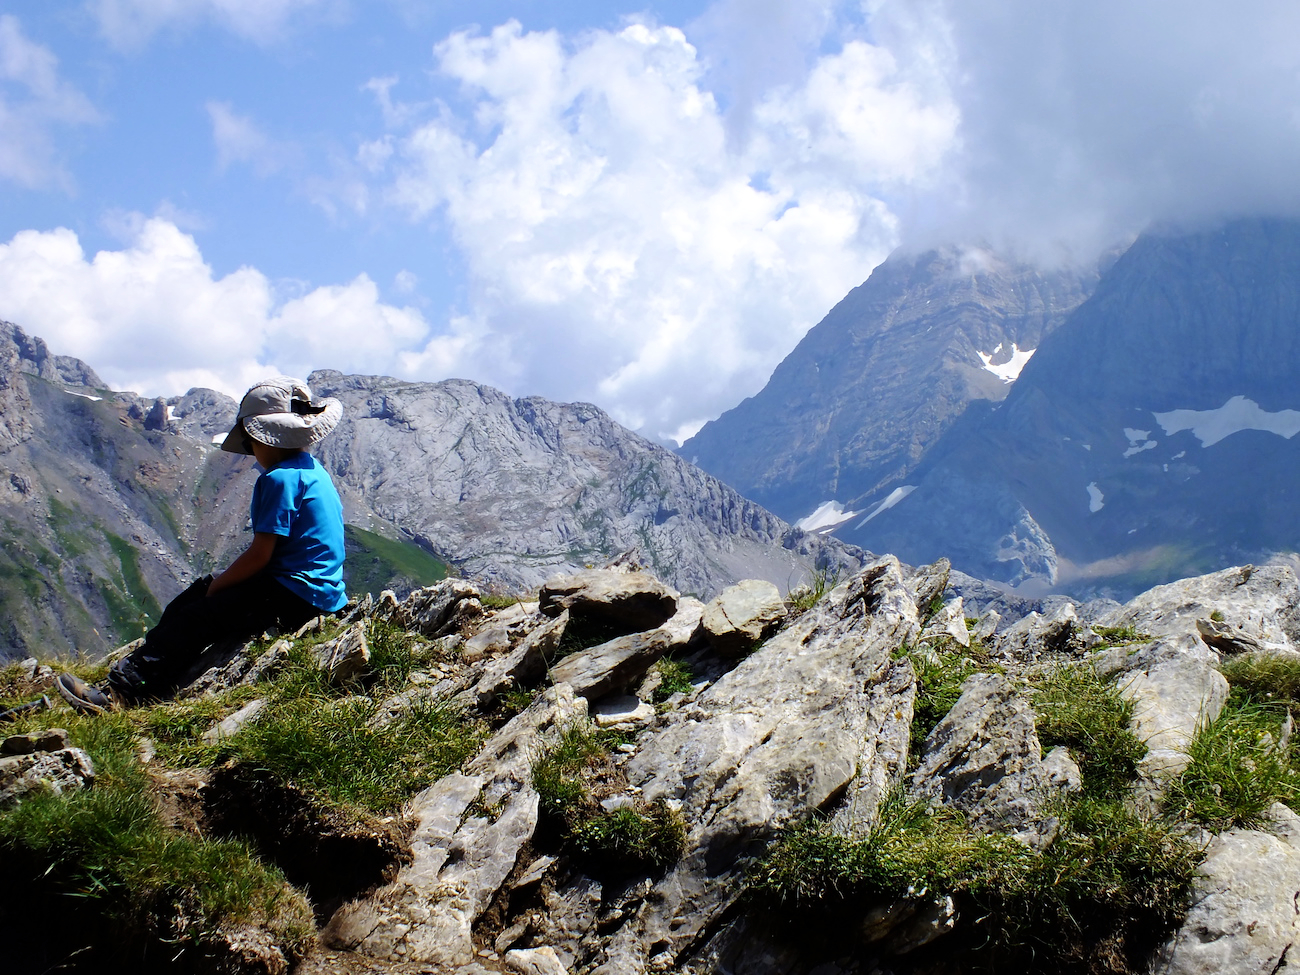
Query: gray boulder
[(1243, 919), (611, 666), (636, 600), (743, 615), (439, 609), (1262, 602)]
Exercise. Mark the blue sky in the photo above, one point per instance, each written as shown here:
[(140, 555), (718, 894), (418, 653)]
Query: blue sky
[(642, 206)]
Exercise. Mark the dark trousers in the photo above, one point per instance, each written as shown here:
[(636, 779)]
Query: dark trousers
[(194, 621)]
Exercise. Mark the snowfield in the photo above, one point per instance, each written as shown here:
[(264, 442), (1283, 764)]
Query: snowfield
[(1234, 416)]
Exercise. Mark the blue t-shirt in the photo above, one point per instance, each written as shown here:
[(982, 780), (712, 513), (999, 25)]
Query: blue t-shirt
[(296, 500)]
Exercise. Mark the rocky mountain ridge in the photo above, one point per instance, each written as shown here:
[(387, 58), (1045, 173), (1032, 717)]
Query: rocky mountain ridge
[(110, 502), (1150, 436), (871, 388)]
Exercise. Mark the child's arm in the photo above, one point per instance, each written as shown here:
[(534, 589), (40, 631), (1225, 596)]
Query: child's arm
[(252, 561)]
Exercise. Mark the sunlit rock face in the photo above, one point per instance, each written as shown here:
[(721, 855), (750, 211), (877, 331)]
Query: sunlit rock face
[(1150, 436), (873, 387)]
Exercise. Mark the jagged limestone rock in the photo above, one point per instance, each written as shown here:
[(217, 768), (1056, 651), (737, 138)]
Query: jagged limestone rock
[(470, 829), (346, 657), (635, 599), (524, 666), (611, 666), (439, 609), (927, 585), (743, 615), (985, 759), (949, 622), (1243, 919), (1060, 632), (1262, 602), (772, 740)]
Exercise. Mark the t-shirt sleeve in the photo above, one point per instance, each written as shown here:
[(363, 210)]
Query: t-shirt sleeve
[(275, 503)]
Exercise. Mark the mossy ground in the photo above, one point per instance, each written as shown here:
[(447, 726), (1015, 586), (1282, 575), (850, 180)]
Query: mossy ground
[(111, 845)]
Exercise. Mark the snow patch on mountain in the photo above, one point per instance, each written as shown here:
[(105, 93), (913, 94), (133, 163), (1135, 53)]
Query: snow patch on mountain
[(1234, 416), (1138, 441), (827, 516), (1096, 500), (895, 496), (1008, 371)]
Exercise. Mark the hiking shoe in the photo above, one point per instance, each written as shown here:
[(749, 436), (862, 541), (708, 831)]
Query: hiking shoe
[(86, 698)]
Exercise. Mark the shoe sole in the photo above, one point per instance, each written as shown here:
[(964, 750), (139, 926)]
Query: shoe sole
[(78, 704)]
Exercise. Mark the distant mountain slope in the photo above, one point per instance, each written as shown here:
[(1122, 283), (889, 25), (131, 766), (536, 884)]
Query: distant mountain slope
[(514, 490), (110, 503), (1151, 436), (873, 386)]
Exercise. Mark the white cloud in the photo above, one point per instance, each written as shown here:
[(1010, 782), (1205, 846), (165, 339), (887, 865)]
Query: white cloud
[(621, 246), (129, 24), (153, 318), (1085, 120), (34, 100), (239, 140)]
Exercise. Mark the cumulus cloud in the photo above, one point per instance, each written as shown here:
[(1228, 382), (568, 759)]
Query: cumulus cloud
[(128, 24), (152, 317), (1084, 121), (621, 247), (34, 102)]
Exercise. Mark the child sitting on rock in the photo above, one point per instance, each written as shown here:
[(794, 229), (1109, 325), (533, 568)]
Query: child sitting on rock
[(291, 573)]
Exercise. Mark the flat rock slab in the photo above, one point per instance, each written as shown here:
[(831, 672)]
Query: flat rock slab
[(611, 666), (231, 726), (743, 615), (636, 600)]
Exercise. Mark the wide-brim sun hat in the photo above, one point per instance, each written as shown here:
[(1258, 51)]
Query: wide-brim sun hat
[(281, 412)]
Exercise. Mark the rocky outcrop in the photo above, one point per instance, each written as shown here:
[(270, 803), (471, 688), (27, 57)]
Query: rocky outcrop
[(1243, 919), (984, 758)]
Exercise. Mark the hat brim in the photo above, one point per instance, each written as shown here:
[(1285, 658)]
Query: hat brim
[(293, 431)]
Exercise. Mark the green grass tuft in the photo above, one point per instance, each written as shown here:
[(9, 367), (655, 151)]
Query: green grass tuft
[(674, 678), (1264, 677), (1238, 769), (1077, 708)]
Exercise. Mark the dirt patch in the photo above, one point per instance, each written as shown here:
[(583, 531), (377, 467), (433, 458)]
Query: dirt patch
[(331, 855)]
